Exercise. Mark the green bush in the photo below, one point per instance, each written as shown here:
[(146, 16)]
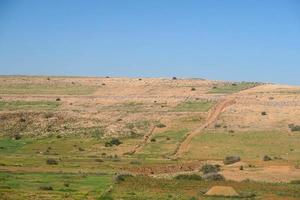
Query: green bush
[(295, 182), (112, 142), (213, 177), (231, 159), (46, 187), (160, 125), (188, 177), (208, 168), (51, 161), (294, 127), (119, 177)]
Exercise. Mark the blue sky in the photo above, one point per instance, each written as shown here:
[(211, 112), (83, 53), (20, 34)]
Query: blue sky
[(248, 40)]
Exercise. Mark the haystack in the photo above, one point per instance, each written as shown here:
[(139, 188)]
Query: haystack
[(224, 191)]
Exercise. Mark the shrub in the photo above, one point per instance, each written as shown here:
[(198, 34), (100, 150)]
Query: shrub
[(218, 125), (231, 159), (263, 113), (208, 168), (160, 125), (58, 99), (153, 140), (48, 115), (51, 161), (119, 177), (135, 162), (188, 177), (112, 142), (99, 160), (295, 182), (241, 167), (22, 119), (294, 127), (213, 177), (174, 78), (193, 89), (81, 149), (17, 136), (46, 187), (267, 158)]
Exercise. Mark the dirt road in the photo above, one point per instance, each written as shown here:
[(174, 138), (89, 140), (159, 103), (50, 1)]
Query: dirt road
[(144, 142), (212, 117)]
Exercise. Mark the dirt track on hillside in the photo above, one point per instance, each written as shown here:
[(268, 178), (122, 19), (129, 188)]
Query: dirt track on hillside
[(212, 117), (144, 142)]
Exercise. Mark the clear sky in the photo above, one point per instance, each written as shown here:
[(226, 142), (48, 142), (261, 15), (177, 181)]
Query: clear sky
[(255, 40)]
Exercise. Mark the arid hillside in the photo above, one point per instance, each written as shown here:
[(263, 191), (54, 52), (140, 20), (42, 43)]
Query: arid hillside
[(156, 128)]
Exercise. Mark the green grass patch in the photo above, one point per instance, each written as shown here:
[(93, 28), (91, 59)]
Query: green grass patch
[(129, 107), (28, 105), (54, 89), (9, 145), (164, 143), (194, 106), (248, 145), (76, 186), (229, 88)]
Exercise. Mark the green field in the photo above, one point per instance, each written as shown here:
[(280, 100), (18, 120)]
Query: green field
[(28, 105), (194, 106), (229, 88), (249, 145), (97, 186), (47, 89), (53, 185)]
